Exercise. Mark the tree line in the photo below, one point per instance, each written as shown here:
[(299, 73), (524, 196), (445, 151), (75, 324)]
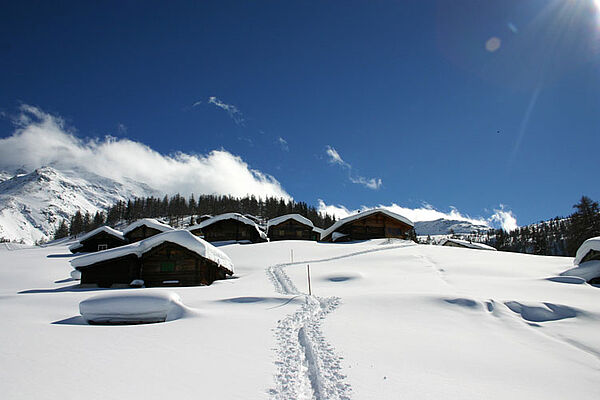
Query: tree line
[(177, 208), (556, 237)]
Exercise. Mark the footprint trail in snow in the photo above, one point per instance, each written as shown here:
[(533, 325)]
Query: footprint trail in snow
[(307, 365)]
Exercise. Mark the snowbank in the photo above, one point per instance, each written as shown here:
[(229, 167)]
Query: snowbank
[(150, 223), (363, 214), (131, 308), (586, 247), (471, 245), (587, 270), (180, 237)]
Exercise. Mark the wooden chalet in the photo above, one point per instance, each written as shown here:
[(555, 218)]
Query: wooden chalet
[(465, 244), (229, 227), (292, 227), (99, 239), (173, 258), (143, 229), (371, 224)]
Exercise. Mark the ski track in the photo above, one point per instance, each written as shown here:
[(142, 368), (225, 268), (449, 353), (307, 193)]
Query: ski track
[(307, 365)]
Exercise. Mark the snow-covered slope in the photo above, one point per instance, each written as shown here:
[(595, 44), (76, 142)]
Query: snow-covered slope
[(446, 226), (388, 319), (32, 204)]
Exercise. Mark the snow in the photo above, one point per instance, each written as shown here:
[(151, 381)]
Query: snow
[(296, 217), (472, 245), (150, 223), (387, 319), (222, 217), (181, 237), (363, 214), (587, 270), (107, 229), (132, 307), (33, 204), (586, 247)]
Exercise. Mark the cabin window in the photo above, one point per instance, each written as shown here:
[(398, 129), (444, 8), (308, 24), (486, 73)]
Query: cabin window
[(299, 233), (102, 247), (167, 266)]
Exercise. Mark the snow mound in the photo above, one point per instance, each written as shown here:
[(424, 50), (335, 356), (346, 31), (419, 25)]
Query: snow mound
[(588, 270), (586, 247), (542, 312), (75, 274), (150, 223), (132, 308)]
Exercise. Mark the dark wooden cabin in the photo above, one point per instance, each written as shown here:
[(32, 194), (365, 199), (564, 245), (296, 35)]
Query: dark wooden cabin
[(229, 227), (372, 224), (99, 239), (143, 229), (590, 255), (292, 227), (161, 263), (465, 244)]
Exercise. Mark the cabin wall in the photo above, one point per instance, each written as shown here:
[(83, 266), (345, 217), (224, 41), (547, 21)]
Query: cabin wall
[(141, 233), (230, 230), (591, 255), (291, 230), (375, 226), (91, 245), (173, 265), (118, 271)]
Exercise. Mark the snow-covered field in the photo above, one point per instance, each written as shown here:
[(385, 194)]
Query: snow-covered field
[(388, 319)]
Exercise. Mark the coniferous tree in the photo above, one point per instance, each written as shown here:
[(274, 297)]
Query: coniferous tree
[(62, 230)]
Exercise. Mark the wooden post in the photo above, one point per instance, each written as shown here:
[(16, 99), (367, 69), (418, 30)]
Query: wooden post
[(308, 272)]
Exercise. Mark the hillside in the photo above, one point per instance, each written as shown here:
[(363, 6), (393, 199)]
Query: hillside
[(32, 204), (388, 319)]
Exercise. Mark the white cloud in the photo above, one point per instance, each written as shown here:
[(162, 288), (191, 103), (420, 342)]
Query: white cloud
[(42, 139), (505, 219), (336, 158), (373, 183), (283, 144), (232, 110), (502, 218)]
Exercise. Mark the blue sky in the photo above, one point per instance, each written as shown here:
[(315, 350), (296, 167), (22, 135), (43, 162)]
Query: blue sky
[(466, 104)]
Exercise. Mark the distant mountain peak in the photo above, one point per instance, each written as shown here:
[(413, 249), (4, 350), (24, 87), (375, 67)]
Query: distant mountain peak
[(33, 203)]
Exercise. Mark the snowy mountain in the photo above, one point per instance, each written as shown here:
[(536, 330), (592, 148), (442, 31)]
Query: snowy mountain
[(32, 204), (446, 226)]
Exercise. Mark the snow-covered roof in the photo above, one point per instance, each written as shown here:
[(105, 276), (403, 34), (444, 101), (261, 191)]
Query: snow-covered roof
[(590, 244), (222, 217), (297, 217), (363, 214), (150, 223), (180, 237), (588, 270), (471, 245), (107, 229)]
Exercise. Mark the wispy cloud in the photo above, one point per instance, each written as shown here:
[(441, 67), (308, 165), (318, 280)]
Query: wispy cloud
[(501, 218), (283, 144), (372, 183), (42, 139), (232, 110), (121, 128), (336, 158)]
